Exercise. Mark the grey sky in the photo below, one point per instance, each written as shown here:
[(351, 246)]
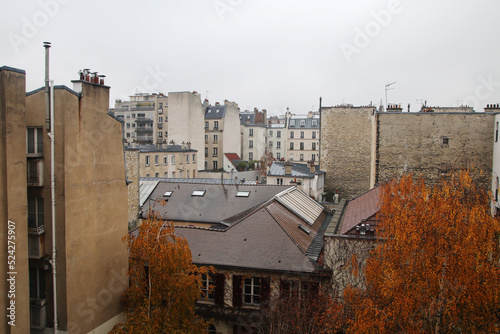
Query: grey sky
[(265, 54)]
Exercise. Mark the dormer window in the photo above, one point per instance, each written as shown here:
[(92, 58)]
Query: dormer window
[(168, 194), (198, 193)]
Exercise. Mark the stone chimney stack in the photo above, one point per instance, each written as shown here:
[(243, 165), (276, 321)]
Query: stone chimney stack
[(288, 168), (312, 166)]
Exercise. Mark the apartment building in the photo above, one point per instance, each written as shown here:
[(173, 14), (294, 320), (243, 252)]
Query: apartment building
[(276, 136), (253, 134), (168, 161), (90, 194), (145, 116), (222, 133), (303, 137)]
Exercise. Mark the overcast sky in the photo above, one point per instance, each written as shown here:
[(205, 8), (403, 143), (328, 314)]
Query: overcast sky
[(265, 54)]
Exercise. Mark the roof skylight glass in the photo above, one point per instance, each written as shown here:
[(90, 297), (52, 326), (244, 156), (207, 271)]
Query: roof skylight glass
[(167, 194), (199, 193), (242, 194)]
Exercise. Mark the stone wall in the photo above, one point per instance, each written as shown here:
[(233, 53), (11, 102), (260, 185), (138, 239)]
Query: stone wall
[(434, 144), (347, 147), (132, 170)]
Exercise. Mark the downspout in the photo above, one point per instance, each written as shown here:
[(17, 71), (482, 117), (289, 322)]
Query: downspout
[(47, 45), (53, 201)]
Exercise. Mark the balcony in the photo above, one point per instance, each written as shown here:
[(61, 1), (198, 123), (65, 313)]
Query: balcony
[(39, 230)]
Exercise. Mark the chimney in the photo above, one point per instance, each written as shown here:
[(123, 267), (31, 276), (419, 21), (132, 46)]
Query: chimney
[(183, 145), (492, 108), (217, 103), (188, 145), (312, 166), (288, 168)]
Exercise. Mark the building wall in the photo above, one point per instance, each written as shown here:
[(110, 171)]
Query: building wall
[(13, 196), (172, 170), (132, 171), (278, 150), (434, 144), (232, 138), (259, 142), (91, 193), (347, 148), (308, 153), (186, 121)]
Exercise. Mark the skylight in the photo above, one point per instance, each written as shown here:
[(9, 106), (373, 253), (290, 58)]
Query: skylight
[(167, 194), (199, 193), (242, 194)]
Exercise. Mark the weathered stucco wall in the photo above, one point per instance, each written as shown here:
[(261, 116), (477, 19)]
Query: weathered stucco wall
[(346, 148), (132, 170), (433, 144)]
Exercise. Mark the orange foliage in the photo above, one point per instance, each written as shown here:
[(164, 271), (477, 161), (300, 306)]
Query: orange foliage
[(436, 266), (164, 283)]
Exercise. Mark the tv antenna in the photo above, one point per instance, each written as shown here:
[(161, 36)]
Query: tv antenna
[(386, 89)]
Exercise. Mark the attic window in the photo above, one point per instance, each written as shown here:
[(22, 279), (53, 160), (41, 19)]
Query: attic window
[(446, 141), (242, 194), (199, 193), (217, 111), (304, 229), (209, 111), (167, 194)]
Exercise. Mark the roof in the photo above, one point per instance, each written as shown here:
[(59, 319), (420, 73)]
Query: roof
[(277, 238), (215, 112), (303, 122), (145, 190), (360, 209), (234, 158), (298, 170), (217, 203), (12, 69)]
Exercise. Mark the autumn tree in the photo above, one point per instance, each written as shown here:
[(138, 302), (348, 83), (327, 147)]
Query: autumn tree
[(164, 283), (302, 308), (435, 268)]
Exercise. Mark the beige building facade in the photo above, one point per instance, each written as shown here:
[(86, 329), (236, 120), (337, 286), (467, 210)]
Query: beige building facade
[(90, 195), (302, 137)]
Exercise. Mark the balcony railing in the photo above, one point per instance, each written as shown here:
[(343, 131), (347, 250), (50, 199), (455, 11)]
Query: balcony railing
[(36, 230)]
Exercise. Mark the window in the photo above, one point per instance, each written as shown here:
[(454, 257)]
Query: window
[(301, 157), (206, 138), (194, 157), (278, 134), (128, 125), (214, 165), (160, 119), (216, 125), (216, 138), (278, 144), (35, 212), (206, 125), (278, 155), (133, 115), (207, 287), (133, 125), (302, 123), (279, 181), (446, 141), (165, 160), (292, 122), (166, 133), (147, 160), (157, 160), (314, 135), (173, 160), (496, 133), (242, 194), (214, 152), (250, 132), (206, 151), (301, 134), (211, 329), (34, 141), (313, 146), (157, 174), (270, 133), (314, 122), (160, 134), (128, 134), (291, 145), (301, 145), (270, 144), (165, 175), (250, 143), (251, 291), (37, 283), (250, 156), (291, 134), (187, 158), (173, 175)]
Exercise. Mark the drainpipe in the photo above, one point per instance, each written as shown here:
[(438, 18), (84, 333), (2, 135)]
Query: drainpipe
[(47, 45), (53, 201)]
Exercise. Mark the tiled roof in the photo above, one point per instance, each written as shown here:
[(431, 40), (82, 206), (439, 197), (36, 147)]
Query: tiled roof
[(298, 170), (215, 112), (301, 204), (361, 208), (217, 204), (234, 158), (307, 122)]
